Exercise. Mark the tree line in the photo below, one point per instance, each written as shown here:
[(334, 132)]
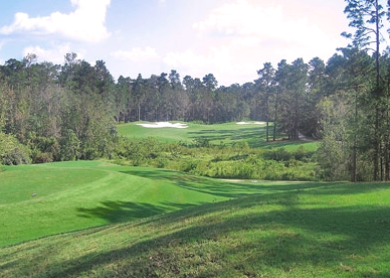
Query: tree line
[(69, 111)]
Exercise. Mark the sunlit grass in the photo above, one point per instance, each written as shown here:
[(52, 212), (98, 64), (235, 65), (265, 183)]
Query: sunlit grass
[(275, 229), (227, 133), (41, 200)]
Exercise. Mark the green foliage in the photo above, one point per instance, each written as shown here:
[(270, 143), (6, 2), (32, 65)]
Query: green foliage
[(281, 154), (59, 113), (278, 155), (331, 157), (70, 146), (238, 161), (43, 149), (12, 152)]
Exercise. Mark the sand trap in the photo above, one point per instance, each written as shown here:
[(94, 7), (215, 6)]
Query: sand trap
[(251, 123), (164, 124)]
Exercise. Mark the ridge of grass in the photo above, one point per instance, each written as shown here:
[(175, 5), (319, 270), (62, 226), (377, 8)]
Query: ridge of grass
[(46, 199)]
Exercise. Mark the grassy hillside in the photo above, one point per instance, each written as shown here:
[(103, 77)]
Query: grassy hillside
[(227, 133), (285, 230), (79, 195)]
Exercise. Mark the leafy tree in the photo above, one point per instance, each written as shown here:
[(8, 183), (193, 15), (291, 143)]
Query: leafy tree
[(266, 86), (315, 92), (366, 17), (292, 80)]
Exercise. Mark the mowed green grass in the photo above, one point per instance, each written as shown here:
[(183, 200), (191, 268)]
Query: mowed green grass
[(227, 133), (78, 195), (260, 230)]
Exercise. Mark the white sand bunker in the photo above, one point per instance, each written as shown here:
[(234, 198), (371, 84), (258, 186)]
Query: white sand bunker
[(164, 124), (251, 123)]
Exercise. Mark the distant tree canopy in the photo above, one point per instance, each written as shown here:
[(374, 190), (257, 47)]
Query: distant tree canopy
[(56, 112)]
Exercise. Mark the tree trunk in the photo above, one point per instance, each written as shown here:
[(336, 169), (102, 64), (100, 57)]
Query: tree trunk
[(139, 112), (377, 96), (354, 155), (267, 120), (275, 116)]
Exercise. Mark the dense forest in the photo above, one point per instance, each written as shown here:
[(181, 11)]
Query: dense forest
[(62, 112), (69, 111)]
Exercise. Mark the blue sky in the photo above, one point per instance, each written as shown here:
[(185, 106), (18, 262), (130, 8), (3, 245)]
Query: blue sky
[(230, 38)]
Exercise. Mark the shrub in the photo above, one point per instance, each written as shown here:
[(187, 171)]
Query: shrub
[(278, 155), (302, 154), (43, 158), (12, 152), (162, 162), (236, 161)]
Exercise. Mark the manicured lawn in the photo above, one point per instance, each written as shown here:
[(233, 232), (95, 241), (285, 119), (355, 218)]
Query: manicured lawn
[(41, 200), (227, 133), (261, 230)]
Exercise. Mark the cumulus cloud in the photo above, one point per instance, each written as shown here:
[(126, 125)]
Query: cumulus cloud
[(244, 34), (243, 19), (136, 54), (86, 23)]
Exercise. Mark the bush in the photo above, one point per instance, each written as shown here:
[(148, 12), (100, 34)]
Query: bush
[(12, 152), (162, 162), (278, 155), (302, 154), (43, 158)]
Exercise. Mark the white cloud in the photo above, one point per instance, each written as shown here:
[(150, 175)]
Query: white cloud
[(221, 61), (186, 59), (54, 55), (86, 23), (242, 19), (136, 54), (242, 35)]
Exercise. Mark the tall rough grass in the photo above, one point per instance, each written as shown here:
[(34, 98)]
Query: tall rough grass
[(237, 161)]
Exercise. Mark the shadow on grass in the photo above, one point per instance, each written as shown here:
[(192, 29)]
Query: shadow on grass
[(235, 190), (254, 136), (200, 184), (279, 240), (118, 211), (277, 144), (245, 134)]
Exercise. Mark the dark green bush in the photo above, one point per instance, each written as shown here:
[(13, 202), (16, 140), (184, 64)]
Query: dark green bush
[(278, 155)]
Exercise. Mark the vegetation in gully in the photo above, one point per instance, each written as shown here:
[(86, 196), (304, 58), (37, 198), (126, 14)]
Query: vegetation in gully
[(285, 176)]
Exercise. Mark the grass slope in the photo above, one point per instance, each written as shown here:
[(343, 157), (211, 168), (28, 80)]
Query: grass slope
[(227, 133), (285, 230), (79, 195)]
